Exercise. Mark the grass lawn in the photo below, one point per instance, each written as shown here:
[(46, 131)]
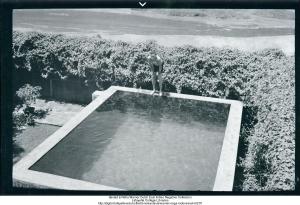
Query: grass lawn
[(26, 140)]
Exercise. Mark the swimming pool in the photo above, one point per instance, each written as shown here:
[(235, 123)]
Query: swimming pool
[(127, 139)]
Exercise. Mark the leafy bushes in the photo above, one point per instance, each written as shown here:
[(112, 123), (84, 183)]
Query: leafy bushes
[(28, 94), (24, 113), (270, 160), (103, 63), (264, 81)]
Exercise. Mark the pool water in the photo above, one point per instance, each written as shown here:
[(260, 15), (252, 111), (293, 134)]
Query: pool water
[(137, 141)]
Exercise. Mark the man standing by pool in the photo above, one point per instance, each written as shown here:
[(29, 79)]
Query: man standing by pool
[(156, 66)]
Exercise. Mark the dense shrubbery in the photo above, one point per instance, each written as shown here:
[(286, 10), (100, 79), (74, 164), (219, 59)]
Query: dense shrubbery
[(24, 113), (270, 160), (28, 94), (103, 63), (264, 81)]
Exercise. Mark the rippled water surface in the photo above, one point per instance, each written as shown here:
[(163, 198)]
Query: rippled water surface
[(142, 142)]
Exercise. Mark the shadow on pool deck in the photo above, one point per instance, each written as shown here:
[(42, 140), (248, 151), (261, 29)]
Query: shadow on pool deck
[(17, 151)]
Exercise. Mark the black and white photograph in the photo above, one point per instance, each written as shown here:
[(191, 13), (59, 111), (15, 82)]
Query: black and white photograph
[(144, 99)]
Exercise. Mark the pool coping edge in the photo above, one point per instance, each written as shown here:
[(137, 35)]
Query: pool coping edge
[(227, 162)]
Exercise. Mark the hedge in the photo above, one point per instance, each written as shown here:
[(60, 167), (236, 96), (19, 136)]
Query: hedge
[(263, 80)]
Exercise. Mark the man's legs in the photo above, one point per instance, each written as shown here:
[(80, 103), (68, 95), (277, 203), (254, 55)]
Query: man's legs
[(153, 81), (160, 82)]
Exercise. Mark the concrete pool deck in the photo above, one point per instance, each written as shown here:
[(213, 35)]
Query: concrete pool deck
[(226, 167)]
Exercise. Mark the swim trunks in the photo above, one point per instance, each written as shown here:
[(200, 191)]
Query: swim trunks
[(156, 68)]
